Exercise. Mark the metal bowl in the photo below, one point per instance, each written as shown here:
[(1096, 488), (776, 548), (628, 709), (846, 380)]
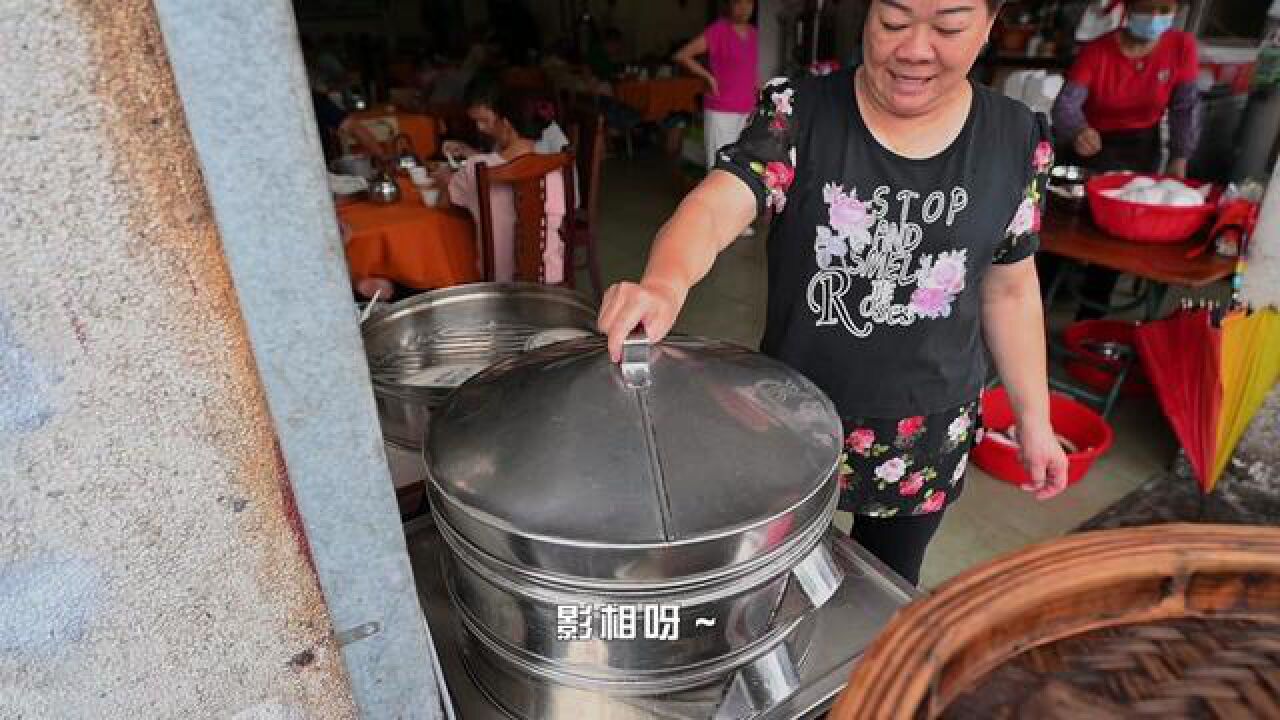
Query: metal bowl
[(384, 191), (1067, 187), (423, 347), (1069, 175)]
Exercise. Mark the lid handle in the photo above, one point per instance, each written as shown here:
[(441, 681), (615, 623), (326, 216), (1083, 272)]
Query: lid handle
[(635, 360)]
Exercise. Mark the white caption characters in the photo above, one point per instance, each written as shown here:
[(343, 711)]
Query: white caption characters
[(618, 622)]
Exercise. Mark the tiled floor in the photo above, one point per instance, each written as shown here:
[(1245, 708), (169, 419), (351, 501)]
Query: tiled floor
[(991, 518)]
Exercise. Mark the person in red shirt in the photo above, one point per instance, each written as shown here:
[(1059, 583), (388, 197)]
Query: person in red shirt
[(1121, 86), (1116, 94)]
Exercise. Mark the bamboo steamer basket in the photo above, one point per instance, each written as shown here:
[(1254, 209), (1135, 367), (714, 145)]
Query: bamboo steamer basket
[(1161, 621)]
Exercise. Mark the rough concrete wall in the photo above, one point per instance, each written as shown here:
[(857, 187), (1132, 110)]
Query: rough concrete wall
[(1249, 489), (147, 565)]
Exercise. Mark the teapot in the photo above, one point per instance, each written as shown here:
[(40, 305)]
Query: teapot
[(383, 189), (358, 165), (402, 150)]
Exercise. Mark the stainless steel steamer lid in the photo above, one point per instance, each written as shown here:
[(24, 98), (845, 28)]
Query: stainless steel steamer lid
[(705, 457)]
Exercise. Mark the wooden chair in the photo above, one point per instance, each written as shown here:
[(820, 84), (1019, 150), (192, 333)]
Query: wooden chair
[(527, 175), (587, 134)]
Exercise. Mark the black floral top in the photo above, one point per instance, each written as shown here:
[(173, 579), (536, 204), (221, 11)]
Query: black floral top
[(876, 264)]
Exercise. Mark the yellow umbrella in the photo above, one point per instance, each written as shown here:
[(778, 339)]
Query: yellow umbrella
[(1250, 368)]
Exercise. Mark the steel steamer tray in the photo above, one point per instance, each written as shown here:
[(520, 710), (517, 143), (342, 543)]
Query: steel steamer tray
[(620, 534), (421, 348)]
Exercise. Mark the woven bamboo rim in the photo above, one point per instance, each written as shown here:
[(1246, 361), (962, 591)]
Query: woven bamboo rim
[(939, 647)]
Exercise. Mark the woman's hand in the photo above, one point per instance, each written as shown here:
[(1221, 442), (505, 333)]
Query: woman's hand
[(713, 87), (1088, 142), (627, 305), (1177, 167), (1013, 323), (459, 150), (707, 221), (1044, 460)]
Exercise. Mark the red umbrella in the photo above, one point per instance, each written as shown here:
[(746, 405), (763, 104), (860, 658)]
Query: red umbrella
[(1182, 355)]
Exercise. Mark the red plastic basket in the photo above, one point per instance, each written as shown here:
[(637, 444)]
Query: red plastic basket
[(1151, 224), (1084, 427), (1098, 372)]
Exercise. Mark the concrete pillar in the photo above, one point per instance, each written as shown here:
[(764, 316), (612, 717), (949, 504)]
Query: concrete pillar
[(149, 566), (239, 73), (153, 561)]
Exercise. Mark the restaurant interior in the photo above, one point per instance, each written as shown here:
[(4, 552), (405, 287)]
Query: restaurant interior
[(1156, 381)]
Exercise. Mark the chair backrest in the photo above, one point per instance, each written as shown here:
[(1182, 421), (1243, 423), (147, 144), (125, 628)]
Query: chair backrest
[(588, 137), (527, 175)]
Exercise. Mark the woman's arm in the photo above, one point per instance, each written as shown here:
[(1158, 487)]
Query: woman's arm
[(1184, 126), (1070, 122), (687, 57), (1068, 110), (1184, 107), (1013, 323), (751, 175), (707, 221)]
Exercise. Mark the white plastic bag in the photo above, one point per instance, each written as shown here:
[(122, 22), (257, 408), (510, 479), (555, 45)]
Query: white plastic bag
[(1098, 20)]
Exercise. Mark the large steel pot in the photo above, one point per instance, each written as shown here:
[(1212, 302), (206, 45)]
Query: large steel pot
[(697, 476), (421, 348), (524, 691)]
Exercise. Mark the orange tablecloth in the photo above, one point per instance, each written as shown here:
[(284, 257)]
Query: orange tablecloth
[(385, 123), (410, 243), (658, 98)]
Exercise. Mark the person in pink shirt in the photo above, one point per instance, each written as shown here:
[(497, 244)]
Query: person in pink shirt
[(514, 121), (730, 45), (731, 48)]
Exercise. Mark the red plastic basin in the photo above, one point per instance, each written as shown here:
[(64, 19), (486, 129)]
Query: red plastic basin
[(1071, 419), (1100, 374)]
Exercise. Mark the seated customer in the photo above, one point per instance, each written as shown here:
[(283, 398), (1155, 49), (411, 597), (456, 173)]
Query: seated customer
[(514, 121), (335, 124)]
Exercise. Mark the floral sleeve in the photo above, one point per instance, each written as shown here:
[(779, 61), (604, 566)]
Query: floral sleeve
[(1022, 238), (764, 157)]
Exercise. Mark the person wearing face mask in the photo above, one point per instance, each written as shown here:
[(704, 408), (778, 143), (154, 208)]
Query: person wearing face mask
[(906, 202), (1117, 92)]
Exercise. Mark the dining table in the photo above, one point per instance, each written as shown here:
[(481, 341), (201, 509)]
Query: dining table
[(656, 98), (1188, 264), (407, 241), (1074, 237)]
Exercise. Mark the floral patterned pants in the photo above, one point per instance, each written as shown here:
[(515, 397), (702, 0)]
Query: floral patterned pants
[(907, 466)]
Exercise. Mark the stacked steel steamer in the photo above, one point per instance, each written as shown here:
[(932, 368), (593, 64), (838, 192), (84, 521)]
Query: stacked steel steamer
[(636, 540)]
